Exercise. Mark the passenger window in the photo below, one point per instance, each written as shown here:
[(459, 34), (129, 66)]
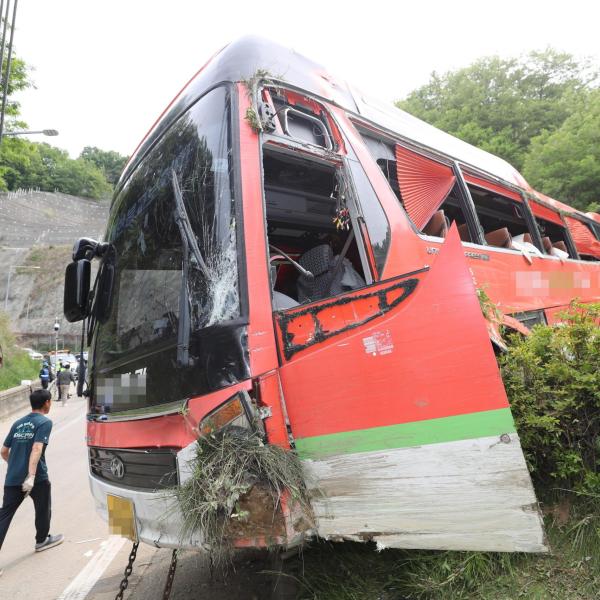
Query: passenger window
[(552, 230), (425, 187), (501, 218), (584, 238), (314, 250)]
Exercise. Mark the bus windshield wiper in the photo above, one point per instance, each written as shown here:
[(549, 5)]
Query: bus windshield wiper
[(188, 240)]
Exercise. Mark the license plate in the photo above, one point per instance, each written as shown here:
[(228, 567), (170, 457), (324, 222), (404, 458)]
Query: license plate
[(121, 517)]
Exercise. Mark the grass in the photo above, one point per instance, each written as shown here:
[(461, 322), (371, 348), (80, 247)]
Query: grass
[(228, 464), (17, 365), (353, 571)]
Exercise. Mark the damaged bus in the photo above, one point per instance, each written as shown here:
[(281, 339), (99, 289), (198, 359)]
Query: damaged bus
[(282, 249)]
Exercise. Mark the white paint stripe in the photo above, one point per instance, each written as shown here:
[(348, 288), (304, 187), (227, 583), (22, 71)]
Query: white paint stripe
[(80, 587)]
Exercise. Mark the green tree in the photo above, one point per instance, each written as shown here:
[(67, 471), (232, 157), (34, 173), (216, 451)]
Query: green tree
[(25, 164), (565, 163), (111, 163), (501, 104)]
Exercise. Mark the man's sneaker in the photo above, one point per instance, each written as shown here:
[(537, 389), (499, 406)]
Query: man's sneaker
[(49, 542)]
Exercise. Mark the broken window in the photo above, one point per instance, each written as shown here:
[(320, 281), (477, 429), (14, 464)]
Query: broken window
[(173, 237), (584, 238), (553, 231), (313, 247), (425, 187), (501, 214)]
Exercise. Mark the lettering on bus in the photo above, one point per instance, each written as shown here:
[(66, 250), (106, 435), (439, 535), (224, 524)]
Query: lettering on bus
[(468, 253)]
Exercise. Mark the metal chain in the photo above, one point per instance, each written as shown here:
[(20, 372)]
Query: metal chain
[(128, 569), (170, 576)]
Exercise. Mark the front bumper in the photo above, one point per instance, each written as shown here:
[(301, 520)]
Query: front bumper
[(157, 515)]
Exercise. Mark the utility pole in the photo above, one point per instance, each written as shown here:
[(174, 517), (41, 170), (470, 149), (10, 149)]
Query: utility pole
[(6, 77)]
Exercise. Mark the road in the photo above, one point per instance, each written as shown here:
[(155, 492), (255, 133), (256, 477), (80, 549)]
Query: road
[(90, 563)]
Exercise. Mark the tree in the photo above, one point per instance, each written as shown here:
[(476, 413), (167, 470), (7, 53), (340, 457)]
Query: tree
[(24, 164), (501, 104), (111, 163), (565, 163)]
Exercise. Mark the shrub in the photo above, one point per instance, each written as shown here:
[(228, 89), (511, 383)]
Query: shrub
[(552, 379)]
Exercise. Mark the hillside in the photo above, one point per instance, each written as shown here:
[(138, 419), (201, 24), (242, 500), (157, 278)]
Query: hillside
[(37, 231)]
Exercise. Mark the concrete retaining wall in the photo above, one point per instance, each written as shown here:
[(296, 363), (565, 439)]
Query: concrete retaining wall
[(16, 400)]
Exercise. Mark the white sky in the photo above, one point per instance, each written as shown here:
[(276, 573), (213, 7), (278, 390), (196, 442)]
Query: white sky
[(105, 69)]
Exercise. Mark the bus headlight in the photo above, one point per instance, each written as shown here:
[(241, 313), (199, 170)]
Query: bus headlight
[(227, 414)]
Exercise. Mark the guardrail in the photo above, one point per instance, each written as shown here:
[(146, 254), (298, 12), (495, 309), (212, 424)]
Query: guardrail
[(16, 399)]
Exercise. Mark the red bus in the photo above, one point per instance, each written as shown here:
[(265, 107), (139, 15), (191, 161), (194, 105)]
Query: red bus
[(280, 242)]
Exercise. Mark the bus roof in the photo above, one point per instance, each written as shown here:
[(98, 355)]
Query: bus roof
[(244, 58)]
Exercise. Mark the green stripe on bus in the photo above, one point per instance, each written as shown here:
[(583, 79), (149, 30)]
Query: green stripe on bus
[(405, 435)]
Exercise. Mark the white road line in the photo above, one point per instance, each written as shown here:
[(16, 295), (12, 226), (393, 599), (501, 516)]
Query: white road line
[(80, 587)]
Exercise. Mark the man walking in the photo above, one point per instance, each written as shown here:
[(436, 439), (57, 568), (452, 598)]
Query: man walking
[(64, 379), (27, 474)]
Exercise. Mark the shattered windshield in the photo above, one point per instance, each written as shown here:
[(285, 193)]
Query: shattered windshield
[(173, 235)]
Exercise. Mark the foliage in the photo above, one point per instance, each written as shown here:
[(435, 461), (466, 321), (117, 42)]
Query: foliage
[(25, 164), (111, 163), (17, 364), (565, 163), (18, 81), (501, 104), (552, 379), (355, 571), (228, 464)]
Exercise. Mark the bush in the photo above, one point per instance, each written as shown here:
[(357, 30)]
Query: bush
[(552, 379), (17, 364)]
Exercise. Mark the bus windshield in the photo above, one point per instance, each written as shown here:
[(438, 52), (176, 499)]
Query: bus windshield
[(173, 247)]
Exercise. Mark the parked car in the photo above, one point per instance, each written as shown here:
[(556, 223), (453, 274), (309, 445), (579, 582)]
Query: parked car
[(33, 354)]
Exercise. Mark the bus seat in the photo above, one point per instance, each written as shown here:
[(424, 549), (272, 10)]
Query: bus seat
[(321, 263), (527, 238), (561, 246), (463, 232), (438, 225), (500, 238), (547, 244)]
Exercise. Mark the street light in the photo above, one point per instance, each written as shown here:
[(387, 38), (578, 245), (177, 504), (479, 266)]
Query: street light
[(56, 328), (10, 269), (50, 132)]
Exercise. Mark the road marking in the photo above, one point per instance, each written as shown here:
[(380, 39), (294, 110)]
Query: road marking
[(80, 587)]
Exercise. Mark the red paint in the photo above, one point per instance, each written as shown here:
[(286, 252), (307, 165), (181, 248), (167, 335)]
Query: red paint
[(492, 187), (442, 363), (543, 212), (173, 431)]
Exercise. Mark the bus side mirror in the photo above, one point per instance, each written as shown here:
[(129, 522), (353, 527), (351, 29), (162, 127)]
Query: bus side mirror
[(77, 290)]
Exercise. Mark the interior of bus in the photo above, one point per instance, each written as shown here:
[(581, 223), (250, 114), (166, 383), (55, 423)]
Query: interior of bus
[(313, 249)]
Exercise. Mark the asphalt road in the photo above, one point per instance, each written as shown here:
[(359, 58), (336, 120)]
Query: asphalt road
[(90, 563)]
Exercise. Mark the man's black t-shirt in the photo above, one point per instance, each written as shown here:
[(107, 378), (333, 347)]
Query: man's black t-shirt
[(35, 427)]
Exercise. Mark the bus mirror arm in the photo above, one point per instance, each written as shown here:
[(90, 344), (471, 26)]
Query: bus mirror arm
[(296, 265)]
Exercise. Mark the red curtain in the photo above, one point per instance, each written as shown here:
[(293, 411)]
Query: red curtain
[(424, 184), (585, 241)]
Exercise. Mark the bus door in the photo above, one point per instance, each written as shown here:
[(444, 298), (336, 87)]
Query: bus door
[(395, 403)]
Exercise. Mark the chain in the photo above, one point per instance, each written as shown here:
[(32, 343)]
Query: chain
[(170, 576), (128, 569)]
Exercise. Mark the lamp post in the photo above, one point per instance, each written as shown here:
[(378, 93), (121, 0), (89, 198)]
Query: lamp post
[(49, 132), (10, 270), (56, 328)]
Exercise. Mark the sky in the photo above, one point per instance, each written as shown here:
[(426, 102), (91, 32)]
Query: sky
[(105, 69)]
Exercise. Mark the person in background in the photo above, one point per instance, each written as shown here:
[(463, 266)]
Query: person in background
[(27, 474), (46, 375), (64, 379), (59, 367)]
